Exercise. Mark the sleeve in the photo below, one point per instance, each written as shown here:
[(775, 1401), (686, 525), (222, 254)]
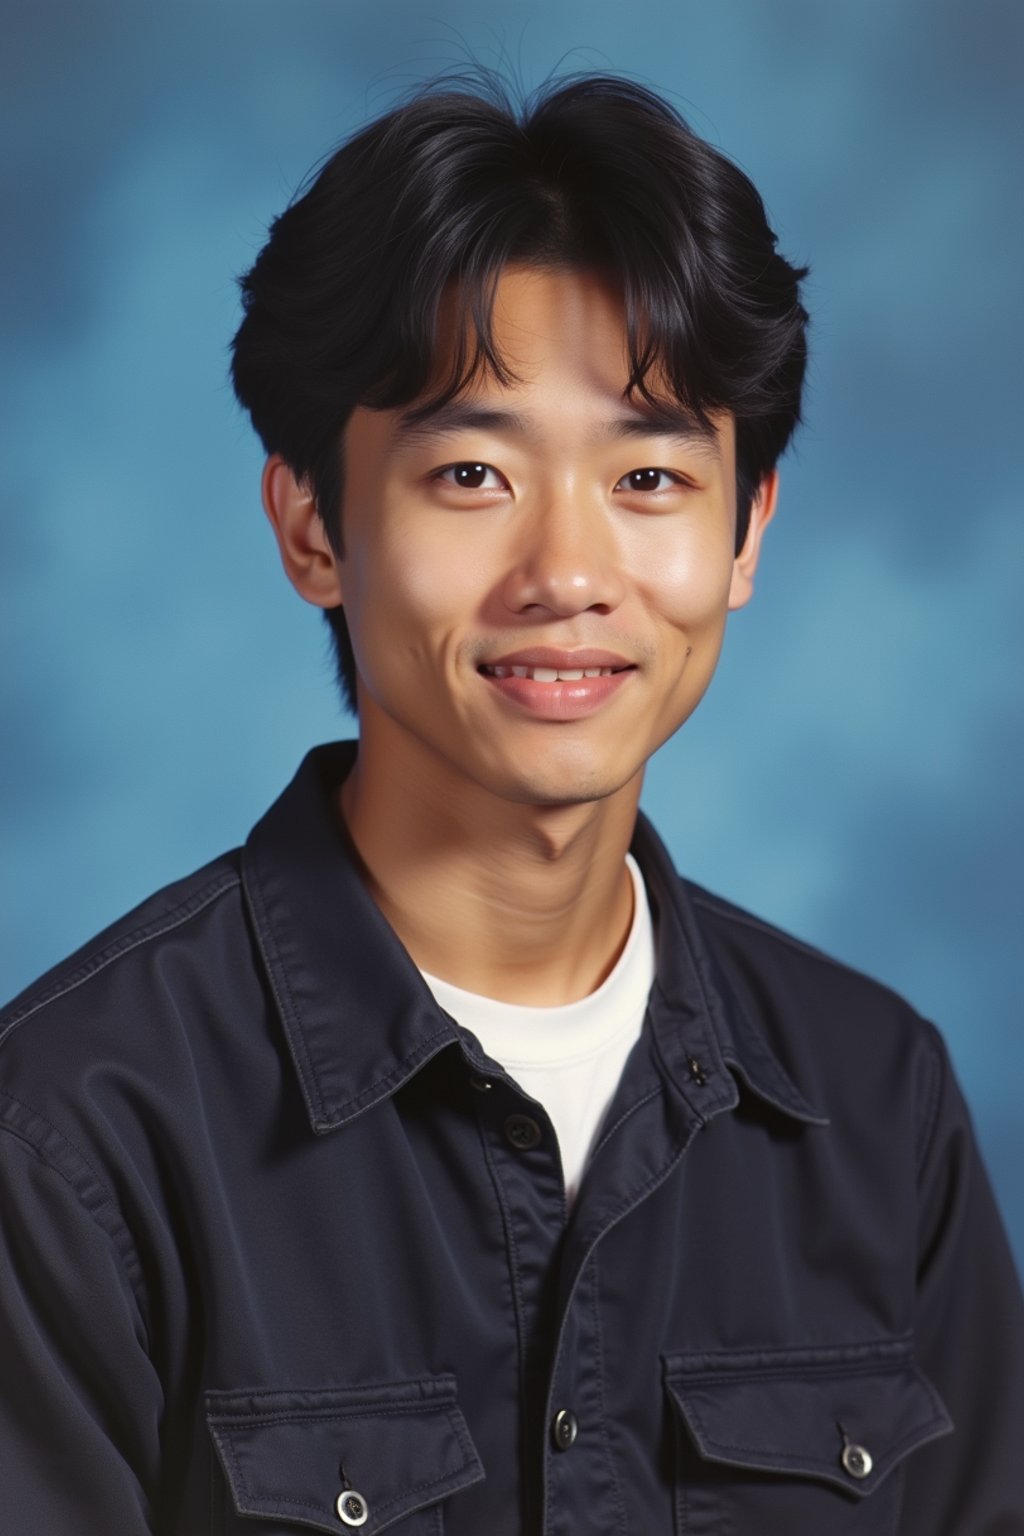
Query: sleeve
[(80, 1401), (969, 1333)]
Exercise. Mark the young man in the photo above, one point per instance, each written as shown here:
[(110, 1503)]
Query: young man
[(441, 1161)]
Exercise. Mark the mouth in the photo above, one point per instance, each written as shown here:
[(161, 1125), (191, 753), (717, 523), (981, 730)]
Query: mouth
[(550, 664), (552, 674), (556, 686)]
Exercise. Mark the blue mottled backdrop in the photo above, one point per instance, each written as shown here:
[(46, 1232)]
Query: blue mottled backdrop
[(855, 772)]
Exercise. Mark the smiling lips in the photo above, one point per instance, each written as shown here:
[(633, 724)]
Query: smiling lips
[(549, 674), (557, 686)]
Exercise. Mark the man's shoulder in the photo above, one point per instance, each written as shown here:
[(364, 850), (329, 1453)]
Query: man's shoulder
[(135, 957), (750, 940), (770, 967), (826, 1019)]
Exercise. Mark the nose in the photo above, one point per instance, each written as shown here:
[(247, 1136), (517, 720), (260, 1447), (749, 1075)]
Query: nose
[(565, 560)]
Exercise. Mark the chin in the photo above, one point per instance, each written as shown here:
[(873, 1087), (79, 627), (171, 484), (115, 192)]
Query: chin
[(576, 786)]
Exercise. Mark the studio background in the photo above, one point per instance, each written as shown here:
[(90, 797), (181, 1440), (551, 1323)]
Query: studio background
[(854, 774)]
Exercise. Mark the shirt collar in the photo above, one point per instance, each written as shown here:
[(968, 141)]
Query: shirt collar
[(703, 1033), (359, 1017)]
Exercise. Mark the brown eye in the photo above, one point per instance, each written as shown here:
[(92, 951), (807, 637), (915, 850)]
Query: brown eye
[(470, 477), (647, 480)]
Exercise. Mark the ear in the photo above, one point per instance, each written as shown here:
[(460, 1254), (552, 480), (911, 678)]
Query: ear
[(306, 554), (762, 510)]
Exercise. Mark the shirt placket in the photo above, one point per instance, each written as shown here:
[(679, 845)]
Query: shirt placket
[(649, 1135), (522, 1152), (570, 1481)]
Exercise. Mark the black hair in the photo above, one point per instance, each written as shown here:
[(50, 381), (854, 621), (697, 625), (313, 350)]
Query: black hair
[(341, 305)]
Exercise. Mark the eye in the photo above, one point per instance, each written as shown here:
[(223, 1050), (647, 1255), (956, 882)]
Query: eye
[(471, 477), (648, 480)]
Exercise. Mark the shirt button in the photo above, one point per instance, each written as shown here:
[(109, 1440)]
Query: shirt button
[(481, 1084), (352, 1507), (565, 1429), (857, 1461), (697, 1070), (522, 1132)]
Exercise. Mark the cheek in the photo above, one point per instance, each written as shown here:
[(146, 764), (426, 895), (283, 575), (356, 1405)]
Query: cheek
[(687, 581), (406, 595)]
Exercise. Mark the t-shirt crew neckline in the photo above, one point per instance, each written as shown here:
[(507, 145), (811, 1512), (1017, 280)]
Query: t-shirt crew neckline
[(520, 1036)]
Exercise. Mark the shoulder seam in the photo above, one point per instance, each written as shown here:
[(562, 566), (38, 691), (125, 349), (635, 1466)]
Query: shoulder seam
[(930, 1119), (747, 920), (123, 946), (119, 1237)]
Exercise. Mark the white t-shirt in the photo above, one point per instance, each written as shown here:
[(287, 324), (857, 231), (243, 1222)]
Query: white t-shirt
[(568, 1058)]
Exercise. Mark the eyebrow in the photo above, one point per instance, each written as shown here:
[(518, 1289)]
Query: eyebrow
[(673, 421)]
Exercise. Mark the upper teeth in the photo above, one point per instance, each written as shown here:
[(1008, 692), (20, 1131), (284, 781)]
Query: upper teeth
[(551, 674)]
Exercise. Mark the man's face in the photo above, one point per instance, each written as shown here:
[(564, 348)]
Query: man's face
[(536, 579)]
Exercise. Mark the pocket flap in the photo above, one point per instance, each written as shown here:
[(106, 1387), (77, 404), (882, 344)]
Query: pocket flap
[(396, 1445), (844, 1416)]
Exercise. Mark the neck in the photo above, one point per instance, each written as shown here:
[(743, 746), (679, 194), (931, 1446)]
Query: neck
[(528, 904)]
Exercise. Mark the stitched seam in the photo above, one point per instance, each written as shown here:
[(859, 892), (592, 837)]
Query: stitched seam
[(218, 1497), (379, 1507), (605, 1436), (275, 967), (726, 1445), (913, 1437), (65, 1141), (630, 1203), (782, 1088), (130, 1254), (747, 920), (423, 1487), (439, 1389), (284, 1497), (388, 1080), (824, 1357), (722, 1378), (234, 1471), (779, 1087), (124, 946), (461, 1430), (938, 1406), (662, 1059), (926, 1135), (324, 1117), (644, 1190), (260, 1420), (655, 1093), (712, 1043), (518, 1309), (249, 1494)]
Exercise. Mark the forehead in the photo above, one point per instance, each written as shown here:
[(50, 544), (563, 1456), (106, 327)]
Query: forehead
[(557, 345), (539, 316)]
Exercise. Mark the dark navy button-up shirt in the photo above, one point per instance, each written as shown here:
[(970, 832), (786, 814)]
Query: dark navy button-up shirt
[(276, 1258)]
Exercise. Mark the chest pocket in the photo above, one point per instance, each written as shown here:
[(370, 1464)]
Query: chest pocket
[(336, 1459), (797, 1440)]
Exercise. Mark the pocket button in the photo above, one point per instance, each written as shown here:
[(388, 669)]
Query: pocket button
[(352, 1507), (857, 1461)]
